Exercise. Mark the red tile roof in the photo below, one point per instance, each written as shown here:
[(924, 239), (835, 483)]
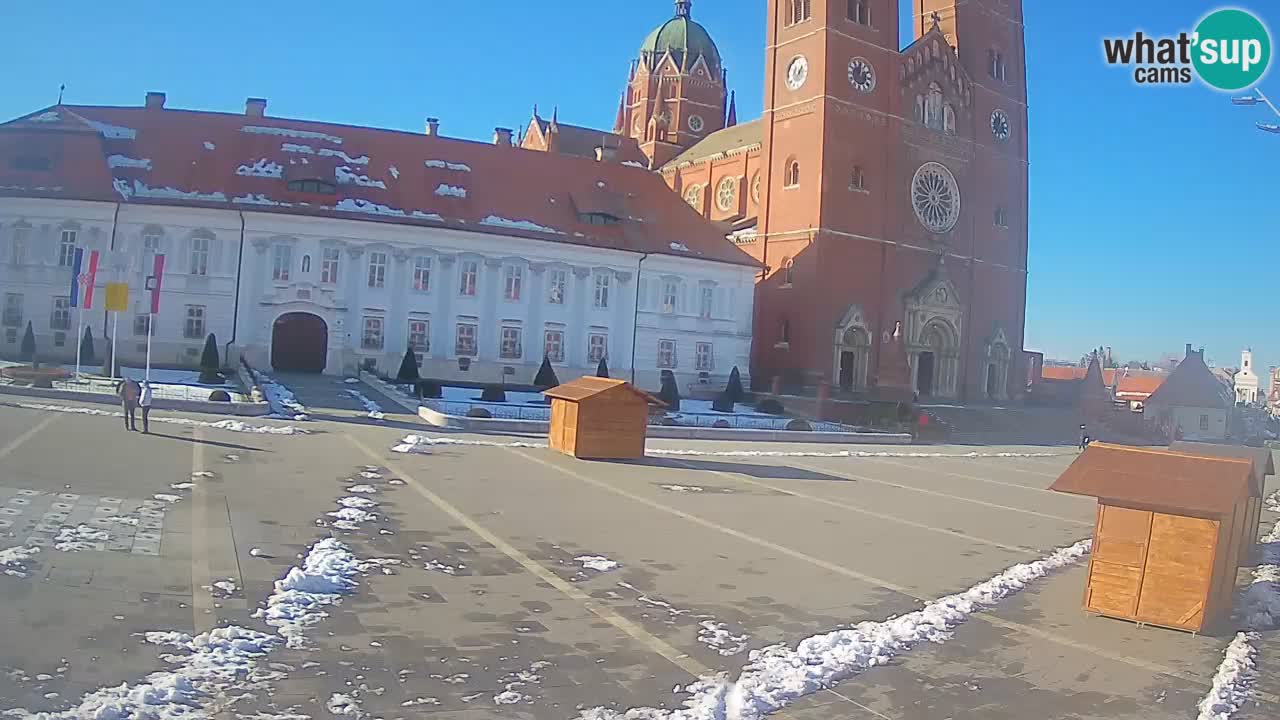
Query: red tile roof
[(225, 160)]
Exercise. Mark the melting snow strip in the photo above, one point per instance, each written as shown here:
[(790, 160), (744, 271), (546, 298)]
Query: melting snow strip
[(328, 572), (14, 560), (716, 635), (371, 407), (411, 443), (599, 563), (1259, 610), (231, 425), (779, 675), (280, 399)]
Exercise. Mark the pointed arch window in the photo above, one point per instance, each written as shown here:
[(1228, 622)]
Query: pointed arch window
[(995, 61), (860, 12), (784, 332), (791, 174), (933, 107), (788, 272), (920, 109), (948, 119), (857, 179)]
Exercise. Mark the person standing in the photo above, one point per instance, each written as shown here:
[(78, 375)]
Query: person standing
[(128, 392), (144, 401)]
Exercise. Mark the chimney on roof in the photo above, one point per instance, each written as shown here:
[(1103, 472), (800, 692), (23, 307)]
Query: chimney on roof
[(433, 126), (255, 107), (155, 101), (1188, 349), (607, 151), (502, 136)]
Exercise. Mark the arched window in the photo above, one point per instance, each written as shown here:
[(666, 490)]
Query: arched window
[(306, 264), (788, 271), (933, 107), (860, 12), (857, 180), (920, 109), (995, 59), (791, 176), (784, 332), (948, 119)]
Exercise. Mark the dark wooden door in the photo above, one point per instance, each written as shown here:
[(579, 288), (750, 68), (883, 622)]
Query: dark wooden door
[(299, 343), (924, 374), (847, 360)]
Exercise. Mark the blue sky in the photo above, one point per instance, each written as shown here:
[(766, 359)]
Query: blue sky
[(1153, 210)]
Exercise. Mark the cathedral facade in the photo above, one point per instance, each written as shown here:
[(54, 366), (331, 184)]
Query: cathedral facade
[(883, 190)]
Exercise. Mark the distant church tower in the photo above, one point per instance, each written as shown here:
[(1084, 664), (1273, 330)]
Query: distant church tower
[(1246, 381), (675, 92)]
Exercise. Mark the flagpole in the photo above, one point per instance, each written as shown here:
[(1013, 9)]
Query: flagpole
[(150, 319), (115, 332), (79, 337)]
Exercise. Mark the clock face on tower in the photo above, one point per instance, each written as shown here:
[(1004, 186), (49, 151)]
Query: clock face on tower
[(1000, 125), (861, 75), (797, 72)]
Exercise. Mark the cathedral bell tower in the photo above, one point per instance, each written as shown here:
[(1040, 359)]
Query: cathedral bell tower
[(675, 92)]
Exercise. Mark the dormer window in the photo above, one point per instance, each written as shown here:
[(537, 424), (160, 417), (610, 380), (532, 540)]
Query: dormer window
[(322, 187), (599, 218), (32, 163)]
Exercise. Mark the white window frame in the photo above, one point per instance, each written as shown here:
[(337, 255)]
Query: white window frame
[(422, 274), (558, 344), (19, 240), (330, 259), (597, 350), (67, 248), (200, 248), (60, 318), (193, 326), (468, 277), (474, 339), (424, 333), (142, 322), (373, 332), (557, 283), (281, 262), (703, 357), (12, 313), (667, 359), (670, 297), (150, 248), (511, 342), (377, 270), (601, 297), (512, 283), (706, 302)]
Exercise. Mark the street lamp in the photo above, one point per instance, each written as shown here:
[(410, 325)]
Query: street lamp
[(1254, 99)]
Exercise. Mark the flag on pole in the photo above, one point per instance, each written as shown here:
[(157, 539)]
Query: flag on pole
[(77, 260), (154, 282), (89, 279)]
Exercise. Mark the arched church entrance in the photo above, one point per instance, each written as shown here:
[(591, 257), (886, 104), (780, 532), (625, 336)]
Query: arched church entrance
[(937, 360), (855, 358), (299, 343)]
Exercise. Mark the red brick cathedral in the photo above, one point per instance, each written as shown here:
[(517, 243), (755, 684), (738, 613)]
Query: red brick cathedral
[(884, 190)]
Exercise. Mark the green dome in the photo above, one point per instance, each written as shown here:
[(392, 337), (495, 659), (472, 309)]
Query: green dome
[(684, 39)]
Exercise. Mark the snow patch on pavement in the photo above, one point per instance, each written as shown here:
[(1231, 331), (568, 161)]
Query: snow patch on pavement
[(371, 407), (367, 489), (1232, 682), (14, 560), (598, 563), (415, 443), (344, 705), (682, 488), (779, 675), (280, 399), (716, 635), (230, 425), (81, 537), (328, 572)]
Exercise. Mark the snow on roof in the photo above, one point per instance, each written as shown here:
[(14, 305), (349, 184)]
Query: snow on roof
[(141, 190), (114, 132), (496, 221), (293, 148), (459, 167), (679, 246), (263, 167), (328, 152), (290, 132), (209, 146), (369, 208), (259, 199), (119, 161), (446, 190), (633, 163), (44, 117), (347, 177), (395, 172)]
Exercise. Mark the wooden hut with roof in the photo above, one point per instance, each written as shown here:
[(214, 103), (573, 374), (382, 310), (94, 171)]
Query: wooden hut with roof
[(1263, 465), (599, 418), (1169, 536)]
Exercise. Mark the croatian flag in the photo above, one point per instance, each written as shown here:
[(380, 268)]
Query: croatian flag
[(153, 284), (83, 278)]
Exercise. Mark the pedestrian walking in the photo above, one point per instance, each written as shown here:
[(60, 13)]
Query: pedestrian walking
[(144, 401), (1084, 437), (128, 392)]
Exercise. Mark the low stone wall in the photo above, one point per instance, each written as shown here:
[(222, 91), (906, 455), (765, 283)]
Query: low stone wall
[(534, 427), (249, 409)]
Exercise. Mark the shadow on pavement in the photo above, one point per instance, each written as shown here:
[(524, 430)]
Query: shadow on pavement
[(763, 472), (214, 443)]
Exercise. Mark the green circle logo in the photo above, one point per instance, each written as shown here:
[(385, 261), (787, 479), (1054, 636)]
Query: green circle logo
[(1232, 49)]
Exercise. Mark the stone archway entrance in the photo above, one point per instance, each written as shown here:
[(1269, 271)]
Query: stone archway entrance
[(299, 343), (854, 359), (924, 373)]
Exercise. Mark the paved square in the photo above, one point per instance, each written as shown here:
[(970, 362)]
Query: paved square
[(514, 582)]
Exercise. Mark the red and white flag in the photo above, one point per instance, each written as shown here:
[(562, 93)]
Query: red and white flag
[(88, 278), (154, 282)]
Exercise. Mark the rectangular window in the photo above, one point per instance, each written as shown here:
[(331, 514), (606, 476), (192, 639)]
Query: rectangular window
[(553, 345), (281, 260), (702, 359), (667, 354), (1001, 219), (512, 346), (514, 279), (669, 292), (18, 245), (597, 347), (371, 338), (142, 325), (150, 248), (67, 249), (13, 310), (377, 269), (798, 11), (329, 266), (602, 291), (556, 281), (470, 269), (420, 336), (193, 328), (422, 273), (1204, 422), (707, 301), (860, 12), (200, 256), (61, 317), (465, 340)]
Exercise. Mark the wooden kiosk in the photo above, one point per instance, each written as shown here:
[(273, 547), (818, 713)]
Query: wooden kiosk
[(1167, 545), (599, 418), (1263, 465)]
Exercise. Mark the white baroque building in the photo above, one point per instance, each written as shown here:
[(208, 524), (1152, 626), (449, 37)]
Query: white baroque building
[(1245, 382), (482, 258)]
